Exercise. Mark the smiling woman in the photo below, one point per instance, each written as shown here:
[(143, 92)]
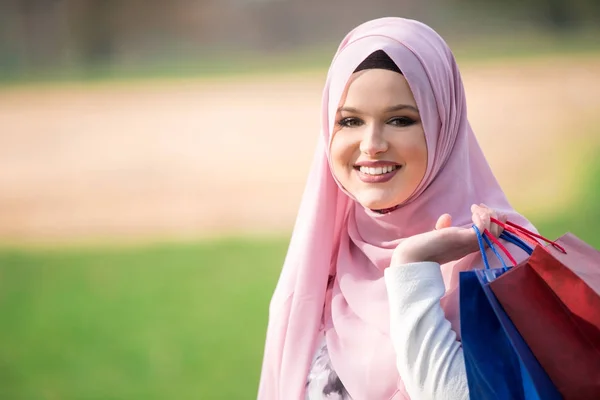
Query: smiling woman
[(367, 303)]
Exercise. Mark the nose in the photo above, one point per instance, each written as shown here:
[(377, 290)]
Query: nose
[(373, 141)]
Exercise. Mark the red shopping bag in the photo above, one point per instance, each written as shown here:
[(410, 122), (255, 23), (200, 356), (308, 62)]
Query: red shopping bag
[(553, 299)]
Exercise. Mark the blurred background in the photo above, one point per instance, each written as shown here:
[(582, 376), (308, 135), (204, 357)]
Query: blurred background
[(153, 155)]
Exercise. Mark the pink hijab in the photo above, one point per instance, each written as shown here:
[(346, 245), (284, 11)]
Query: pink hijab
[(334, 235)]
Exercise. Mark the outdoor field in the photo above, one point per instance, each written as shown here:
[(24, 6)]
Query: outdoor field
[(144, 223)]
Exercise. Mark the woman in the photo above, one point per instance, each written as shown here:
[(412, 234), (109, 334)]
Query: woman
[(366, 307)]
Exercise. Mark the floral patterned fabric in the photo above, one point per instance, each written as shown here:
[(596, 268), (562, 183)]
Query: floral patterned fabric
[(323, 383)]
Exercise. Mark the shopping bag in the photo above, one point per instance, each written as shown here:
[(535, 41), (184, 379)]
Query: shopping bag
[(553, 299), (499, 364)]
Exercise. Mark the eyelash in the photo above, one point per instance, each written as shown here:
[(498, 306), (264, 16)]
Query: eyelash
[(351, 122)]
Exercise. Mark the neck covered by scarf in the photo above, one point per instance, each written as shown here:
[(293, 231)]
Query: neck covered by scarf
[(336, 236)]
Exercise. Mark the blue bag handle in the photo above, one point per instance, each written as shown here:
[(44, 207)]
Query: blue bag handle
[(509, 237), (517, 241), (480, 239)]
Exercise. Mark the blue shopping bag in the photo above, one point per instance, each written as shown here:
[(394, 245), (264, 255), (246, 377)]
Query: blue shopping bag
[(498, 362)]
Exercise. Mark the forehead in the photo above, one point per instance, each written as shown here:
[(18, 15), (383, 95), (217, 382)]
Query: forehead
[(377, 88)]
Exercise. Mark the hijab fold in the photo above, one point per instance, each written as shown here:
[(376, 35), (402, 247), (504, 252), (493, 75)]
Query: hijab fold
[(334, 235)]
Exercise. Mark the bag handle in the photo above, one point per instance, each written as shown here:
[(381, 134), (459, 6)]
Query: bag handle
[(490, 240), (494, 241), (486, 263), (519, 230), (517, 241)]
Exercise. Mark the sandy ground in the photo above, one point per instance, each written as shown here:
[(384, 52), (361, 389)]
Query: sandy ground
[(196, 158)]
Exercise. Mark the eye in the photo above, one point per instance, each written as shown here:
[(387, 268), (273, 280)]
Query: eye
[(349, 122), (401, 121)]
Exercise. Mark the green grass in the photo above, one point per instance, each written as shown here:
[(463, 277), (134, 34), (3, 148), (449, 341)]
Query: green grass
[(174, 322), (582, 218), (222, 64), (209, 66), (526, 45)]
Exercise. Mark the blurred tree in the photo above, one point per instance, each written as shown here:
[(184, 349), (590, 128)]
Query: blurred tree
[(557, 15), (37, 32), (560, 14), (92, 24), (55, 33)]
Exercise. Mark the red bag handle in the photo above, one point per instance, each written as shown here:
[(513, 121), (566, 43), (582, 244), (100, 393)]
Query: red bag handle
[(500, 246), (527, 234)]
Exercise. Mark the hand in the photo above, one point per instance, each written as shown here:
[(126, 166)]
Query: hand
[(446, 243)]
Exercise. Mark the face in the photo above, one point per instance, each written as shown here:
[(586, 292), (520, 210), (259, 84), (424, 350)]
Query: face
[(378, 150)]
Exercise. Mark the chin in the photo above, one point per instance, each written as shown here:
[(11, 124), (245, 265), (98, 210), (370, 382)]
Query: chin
[(377, 202)]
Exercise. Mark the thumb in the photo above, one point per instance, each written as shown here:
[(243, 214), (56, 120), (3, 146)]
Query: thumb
[(445, 221)]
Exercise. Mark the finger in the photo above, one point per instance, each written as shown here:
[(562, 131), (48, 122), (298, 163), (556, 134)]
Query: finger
[(487, 212), (483, 217), (493, 228), (478, 220), (497, 228), (486, 222), (478, 211), (445, 221)]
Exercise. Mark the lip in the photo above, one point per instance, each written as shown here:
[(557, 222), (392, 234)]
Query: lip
[(375, 164), (377, 178)]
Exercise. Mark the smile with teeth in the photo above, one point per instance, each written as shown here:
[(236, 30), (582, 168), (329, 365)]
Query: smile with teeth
[(378, 170)]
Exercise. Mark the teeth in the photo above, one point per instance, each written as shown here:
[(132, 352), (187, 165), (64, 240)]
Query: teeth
[(378, 170)]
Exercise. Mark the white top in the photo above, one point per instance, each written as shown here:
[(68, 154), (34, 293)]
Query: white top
[(428, 357)]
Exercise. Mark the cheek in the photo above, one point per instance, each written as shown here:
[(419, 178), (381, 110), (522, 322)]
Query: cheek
[(342, 152), (419, 154), (413, 148)]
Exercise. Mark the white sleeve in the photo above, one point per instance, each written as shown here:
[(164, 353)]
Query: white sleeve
[(429, 358)]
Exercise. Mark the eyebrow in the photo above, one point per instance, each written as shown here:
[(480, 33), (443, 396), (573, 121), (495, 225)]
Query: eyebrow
[(397, 107)]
